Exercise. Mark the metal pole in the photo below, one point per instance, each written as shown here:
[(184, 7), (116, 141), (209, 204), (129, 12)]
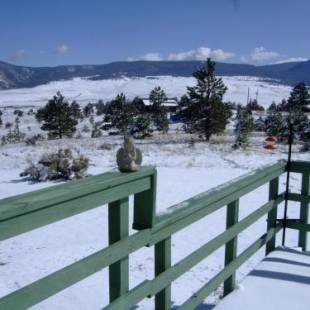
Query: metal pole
[(290, 142)]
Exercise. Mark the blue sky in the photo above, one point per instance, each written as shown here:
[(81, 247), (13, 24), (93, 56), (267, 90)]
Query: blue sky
[(56, 32)]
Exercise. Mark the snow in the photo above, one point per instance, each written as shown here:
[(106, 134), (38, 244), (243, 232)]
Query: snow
[(183, 172), (84, 90), (280, 281)]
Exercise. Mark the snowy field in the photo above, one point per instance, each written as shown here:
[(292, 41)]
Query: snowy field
[(84, 90), (183, 171)]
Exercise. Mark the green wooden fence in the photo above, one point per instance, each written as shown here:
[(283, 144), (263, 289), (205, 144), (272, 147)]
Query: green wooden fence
[(29, 211)]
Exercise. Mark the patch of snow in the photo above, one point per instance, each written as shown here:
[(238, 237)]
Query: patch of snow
[(280, 281), (84, 90)]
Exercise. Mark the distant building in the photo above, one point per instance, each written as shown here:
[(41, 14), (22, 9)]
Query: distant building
[(171, 104)]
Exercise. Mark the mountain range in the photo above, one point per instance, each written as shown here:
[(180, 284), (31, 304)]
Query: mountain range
[(12, 76)]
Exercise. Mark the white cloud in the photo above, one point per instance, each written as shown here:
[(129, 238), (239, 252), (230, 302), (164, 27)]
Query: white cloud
[(292, 59), (201, 53), (62, 49), (21, 53), (262, 54), (148, 57), (243, 59)]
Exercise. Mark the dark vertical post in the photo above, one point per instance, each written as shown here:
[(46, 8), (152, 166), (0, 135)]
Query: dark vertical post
[(118, 229), (304, 210), (232, 215), (288, 168), (272, 215), (162, 263), (145, 206)]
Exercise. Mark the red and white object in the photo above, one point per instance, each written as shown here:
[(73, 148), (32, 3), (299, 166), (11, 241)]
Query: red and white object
[(270, 143)]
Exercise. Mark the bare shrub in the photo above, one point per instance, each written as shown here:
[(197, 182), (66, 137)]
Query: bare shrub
[(62, 165)]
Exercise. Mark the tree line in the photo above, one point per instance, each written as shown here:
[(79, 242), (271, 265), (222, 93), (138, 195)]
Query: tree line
[(202, 110)]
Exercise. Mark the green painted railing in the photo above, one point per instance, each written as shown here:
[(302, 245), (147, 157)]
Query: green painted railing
[(29, 211)]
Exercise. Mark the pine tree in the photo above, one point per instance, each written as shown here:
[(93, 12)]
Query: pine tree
[(254, 106), (76, 110), (101, 107), (88, 110), (120, 113), (243, 126), (204, 111), (142, 126), (297, 105), (260, 124), (274, 123), (159, 113), (299, 98), (59, 117)]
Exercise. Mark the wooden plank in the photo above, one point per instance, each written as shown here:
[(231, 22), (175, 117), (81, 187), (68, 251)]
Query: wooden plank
[(145, 206), (162, 263), (300, 166), (272, 215), (225, 193), (232, 216), (170, 228), (61, 279), (304, 210), (165, 278), (208, 288), (296, 224), (72, 190), (118, 230), (298, 197), (21, 224)]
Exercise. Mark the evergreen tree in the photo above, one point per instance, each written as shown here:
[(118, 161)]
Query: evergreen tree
[(76, 110), (59, 117), (260, 124), (204, 111), (159, 112), (88, 110), (142, 126), (297, 105), (120, 113), (254, 106), (101, 107), (299, 98), (243, 126), (274, 123)]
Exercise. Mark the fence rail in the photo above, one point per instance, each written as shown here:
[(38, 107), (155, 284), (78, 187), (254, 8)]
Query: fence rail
[(29, 211)]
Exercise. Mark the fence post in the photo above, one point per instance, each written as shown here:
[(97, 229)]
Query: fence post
[(145, 206), (162, 263), (118, 229), (232, 215), (304, 210), (272, 215)]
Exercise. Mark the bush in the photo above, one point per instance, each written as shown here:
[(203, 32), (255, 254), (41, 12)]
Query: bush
[(34, 139), (19, 113), (61, 165)]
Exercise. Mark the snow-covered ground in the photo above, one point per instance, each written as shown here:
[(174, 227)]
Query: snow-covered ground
[(183, 171), (280, 281), (84, 90)]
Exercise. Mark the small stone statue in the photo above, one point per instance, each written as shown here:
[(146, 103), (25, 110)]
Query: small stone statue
[(128, 158)]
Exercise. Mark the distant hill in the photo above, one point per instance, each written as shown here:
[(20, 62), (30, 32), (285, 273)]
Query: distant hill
[(12, 76)]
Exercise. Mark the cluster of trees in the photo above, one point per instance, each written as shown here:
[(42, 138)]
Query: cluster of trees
[(291, 111), (202, 110), (60, 118)]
